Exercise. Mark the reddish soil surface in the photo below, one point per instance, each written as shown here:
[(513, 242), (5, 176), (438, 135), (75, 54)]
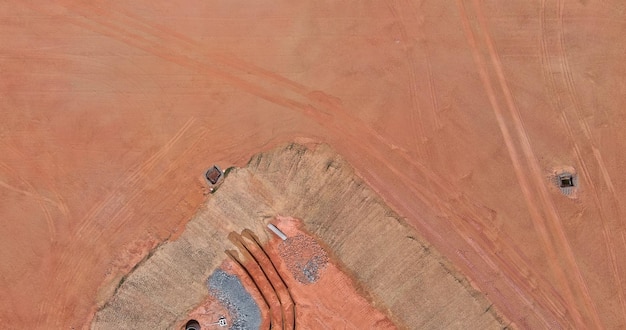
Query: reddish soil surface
[(273, 275), (321, 304), (455, 112), (207, 314)]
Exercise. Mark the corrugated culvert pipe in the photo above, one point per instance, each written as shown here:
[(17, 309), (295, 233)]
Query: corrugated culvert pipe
[(192, 325)]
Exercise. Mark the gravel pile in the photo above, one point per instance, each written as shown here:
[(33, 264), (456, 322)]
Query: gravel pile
[(227, 288), (304, 258)]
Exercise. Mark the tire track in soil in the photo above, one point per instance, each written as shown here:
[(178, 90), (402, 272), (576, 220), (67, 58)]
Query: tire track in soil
[(526, 186), (315, 105), (135, 176), (335, 108), (104, 27), (536, 175), (431, 198), (418, 131), (431, 87), (413, 12), (60, 205), (606, 232), (571, 88), (563, 105), (327, 104), (115, 202), (550, 208), (117, 215), (37, 197), (116, 224)]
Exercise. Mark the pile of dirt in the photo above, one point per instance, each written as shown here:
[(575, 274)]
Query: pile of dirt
[(365, 268), (304, 258)]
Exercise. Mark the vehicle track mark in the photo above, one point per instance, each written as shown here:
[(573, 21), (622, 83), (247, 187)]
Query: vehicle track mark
[(562, 106), (114, 205), (439, 197), (537, 175), (130, 181), (606, 231), (99, 25), (112, 228), (531, 158), (433, 93), (31, 192), (418, 131), (527, 186), (40, 199)]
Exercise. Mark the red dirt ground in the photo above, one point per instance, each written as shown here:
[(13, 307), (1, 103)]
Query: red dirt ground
[(207, 314), (322, 304), (455, 112)]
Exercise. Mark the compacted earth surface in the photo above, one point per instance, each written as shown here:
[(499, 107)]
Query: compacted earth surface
[(461, 115)]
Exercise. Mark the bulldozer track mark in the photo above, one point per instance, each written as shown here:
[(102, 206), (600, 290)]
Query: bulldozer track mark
[(116, 223)]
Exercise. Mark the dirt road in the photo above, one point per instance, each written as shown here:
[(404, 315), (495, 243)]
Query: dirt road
[(455, 112)]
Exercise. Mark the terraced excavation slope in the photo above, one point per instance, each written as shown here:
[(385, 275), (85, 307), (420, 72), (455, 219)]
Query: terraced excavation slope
[(389, 263)]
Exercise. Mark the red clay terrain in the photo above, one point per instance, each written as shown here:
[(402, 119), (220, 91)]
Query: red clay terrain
[(321, 302), (290, 298), (457, 113)]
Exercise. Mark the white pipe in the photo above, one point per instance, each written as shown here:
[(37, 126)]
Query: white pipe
[(277, 231)]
